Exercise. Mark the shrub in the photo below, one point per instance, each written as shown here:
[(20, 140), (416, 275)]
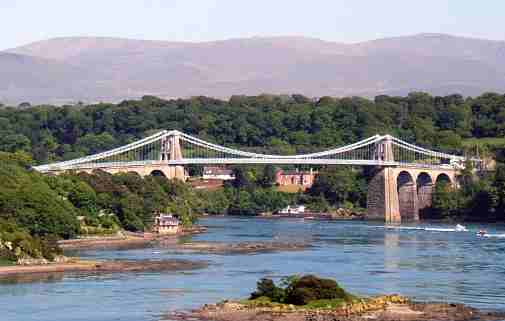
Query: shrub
[(309, 288), (301, 291), (267, 288)]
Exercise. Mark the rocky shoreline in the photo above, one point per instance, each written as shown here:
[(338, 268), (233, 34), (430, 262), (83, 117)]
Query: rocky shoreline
[(242, 247), (128, 240), (384, 308), (73, 266)]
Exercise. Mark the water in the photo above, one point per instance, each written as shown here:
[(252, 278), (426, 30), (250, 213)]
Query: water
[(428, 262)]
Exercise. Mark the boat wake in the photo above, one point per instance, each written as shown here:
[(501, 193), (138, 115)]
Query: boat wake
[(458, 228), (497, 236)]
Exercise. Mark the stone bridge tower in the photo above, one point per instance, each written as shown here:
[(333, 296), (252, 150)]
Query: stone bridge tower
[(398, 193), (171, 150)]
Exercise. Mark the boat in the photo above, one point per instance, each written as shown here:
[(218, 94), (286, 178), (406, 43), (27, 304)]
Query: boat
[(461, 228)]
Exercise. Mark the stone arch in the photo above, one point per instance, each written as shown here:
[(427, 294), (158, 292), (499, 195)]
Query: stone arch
[(158, 172), (443, 178), (407, 196), (425, 187)]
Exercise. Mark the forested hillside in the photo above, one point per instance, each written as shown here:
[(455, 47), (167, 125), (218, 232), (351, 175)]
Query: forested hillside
[(36, 210), (269, 124), (280, 124)]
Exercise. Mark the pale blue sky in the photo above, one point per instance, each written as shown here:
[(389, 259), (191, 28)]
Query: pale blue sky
[(24, 21)]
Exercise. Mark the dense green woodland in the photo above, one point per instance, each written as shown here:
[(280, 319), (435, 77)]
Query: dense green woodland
[(36, 209), (284, 124)]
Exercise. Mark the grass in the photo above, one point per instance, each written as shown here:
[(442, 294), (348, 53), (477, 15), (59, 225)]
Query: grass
[(488, 141), (265, 302), (261, 302), (290, 188), (5, 262), (325, 304)]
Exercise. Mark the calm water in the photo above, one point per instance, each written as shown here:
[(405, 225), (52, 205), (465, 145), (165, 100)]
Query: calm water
[(365, 258)]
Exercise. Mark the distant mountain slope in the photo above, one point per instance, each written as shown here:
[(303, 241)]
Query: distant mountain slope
[(92, 69)]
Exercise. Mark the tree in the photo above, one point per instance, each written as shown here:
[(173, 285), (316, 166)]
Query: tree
[(269, 176), (15, 143), (84, 197), (445, 200), (338, 186), (499, 185)]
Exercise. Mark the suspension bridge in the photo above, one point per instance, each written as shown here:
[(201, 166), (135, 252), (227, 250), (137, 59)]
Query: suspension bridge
[(402, 185)]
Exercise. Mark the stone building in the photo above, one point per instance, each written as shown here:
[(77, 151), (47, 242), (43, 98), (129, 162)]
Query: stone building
[(295, 177)]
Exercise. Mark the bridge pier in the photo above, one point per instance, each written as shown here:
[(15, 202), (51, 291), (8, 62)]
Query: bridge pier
[(382, 197), (397, 194)]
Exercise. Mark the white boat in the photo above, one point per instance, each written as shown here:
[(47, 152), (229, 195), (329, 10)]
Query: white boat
[(461, 228)]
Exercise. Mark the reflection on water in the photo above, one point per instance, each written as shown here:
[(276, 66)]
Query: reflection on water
[(30, 278), (428, 262), (391, 248)]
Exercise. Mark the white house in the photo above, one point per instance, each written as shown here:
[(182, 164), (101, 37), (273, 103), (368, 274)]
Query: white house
[(218, 173)]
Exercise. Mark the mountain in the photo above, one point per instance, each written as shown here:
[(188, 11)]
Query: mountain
[(109, 69)]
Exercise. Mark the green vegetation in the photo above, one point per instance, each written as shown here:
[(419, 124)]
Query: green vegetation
[(271, 124), (27, 200), (266, 123), (479, 198), (254, 192), (308, 290), (16, 243), (36, 210)]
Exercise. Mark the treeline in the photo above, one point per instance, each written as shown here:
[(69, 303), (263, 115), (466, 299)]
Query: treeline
[(280, 124), (268, 124), (254, 191), (36, 210), (478, 198)]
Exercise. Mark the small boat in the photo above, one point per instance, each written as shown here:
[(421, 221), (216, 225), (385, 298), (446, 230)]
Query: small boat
[(461, 228), (482, 233)]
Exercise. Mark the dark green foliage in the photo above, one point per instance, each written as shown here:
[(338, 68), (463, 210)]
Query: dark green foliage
[(499, 187), (309, 288), (267, 124), (480, 198), (340, 186), (272, 124), (267, 288), (26, 198), (16, 242), (301, 290), (446, 201), (134, 199)]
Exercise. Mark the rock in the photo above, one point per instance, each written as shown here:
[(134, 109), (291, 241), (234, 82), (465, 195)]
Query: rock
[(61, 259), (31, 261)]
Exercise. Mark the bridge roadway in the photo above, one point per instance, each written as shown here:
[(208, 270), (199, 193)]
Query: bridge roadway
[(243, 161)]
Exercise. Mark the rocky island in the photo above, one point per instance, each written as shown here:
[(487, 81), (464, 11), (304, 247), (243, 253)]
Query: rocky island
[(310, 298), (241, 247)]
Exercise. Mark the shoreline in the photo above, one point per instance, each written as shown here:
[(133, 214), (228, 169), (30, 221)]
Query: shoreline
[(112, 266), (129, 240), (383, 308)]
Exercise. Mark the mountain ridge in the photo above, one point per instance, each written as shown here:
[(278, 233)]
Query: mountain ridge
[(113, 69)]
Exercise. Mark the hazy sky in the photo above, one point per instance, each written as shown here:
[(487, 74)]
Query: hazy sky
[(24, 21)]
